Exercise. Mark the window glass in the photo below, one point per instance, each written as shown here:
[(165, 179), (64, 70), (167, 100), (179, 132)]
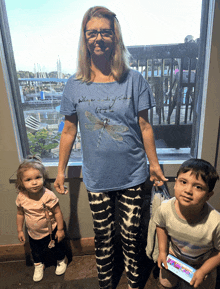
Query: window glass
[(163, 38)]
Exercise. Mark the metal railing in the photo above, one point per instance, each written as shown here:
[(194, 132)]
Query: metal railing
[(171, 72)]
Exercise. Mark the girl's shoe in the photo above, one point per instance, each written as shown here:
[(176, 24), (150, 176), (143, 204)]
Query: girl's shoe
[(38, 272), (61, 266)]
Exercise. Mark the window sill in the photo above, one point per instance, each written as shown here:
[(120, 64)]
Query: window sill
[(166, 156)]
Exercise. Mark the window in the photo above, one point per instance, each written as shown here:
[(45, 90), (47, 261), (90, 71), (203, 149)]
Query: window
[(167, 43)]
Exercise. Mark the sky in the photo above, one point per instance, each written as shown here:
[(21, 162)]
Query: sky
[(43, 31)]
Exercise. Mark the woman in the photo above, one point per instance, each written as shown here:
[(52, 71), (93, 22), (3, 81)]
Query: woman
[(111, 102)]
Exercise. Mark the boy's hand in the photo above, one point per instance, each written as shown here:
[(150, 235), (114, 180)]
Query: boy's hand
[(21, 236), (162, 258), (198, 278), (59, 235)]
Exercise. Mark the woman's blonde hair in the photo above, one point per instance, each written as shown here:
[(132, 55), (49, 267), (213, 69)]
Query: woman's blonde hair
[(120, 55), (31, 162)]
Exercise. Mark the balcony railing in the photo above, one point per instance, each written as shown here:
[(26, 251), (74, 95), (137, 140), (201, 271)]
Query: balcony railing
[(171, 72)]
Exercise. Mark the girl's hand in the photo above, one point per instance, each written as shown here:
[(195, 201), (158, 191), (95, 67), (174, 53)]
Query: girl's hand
[(198, 278), (162, 258), (156, 175), (60, 235), (21, 236)]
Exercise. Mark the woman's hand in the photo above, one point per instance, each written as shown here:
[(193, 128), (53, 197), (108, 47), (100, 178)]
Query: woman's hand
[(59, 184), (157, 176), (21, 236), (66, 143), (60, 235)]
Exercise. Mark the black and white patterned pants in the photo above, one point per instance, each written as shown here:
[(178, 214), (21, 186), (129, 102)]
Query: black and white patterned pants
[(129, 213)]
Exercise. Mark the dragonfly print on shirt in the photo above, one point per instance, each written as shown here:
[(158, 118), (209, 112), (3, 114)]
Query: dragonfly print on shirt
[(97, 124)]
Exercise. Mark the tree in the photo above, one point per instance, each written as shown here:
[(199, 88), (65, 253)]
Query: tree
[(42, 142)]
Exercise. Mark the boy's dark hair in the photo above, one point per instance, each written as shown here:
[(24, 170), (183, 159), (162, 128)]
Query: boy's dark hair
[(201, 168)]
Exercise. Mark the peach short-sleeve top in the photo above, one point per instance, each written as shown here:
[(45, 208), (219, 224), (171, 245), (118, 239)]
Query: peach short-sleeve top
[(35, 218)]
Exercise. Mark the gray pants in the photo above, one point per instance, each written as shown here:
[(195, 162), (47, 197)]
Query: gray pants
[(170, 280)]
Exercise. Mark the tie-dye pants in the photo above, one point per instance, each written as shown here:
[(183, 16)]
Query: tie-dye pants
[(129, 214)]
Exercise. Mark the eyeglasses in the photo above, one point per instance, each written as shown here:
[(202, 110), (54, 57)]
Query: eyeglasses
[(93, 34)]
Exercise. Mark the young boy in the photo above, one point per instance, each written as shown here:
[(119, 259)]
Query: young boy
[(188, 227)]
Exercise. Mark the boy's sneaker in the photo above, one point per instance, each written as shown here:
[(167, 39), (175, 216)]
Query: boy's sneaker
[(61, 266), (38, 272)]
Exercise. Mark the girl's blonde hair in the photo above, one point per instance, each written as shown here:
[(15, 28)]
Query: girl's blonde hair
[(31, 162), (120, 55)]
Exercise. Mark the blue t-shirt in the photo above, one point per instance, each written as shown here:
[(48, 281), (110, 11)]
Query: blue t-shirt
[(112, 147)]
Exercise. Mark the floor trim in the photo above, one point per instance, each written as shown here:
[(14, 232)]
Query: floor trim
[(14, 252)]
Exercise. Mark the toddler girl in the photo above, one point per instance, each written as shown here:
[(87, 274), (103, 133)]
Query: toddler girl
[(40, 208)]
